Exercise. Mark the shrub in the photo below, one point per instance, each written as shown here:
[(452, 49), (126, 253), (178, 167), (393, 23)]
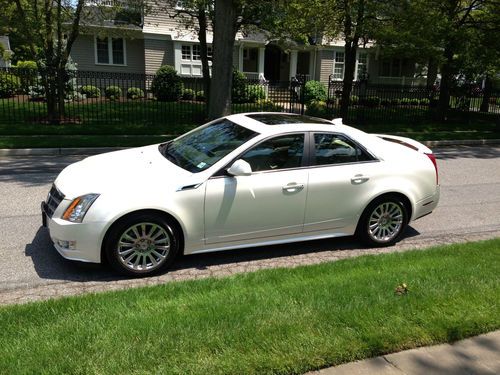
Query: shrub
[(9, 85), (167, 85), (268, 105), (200, 96), (406, 101), (395, 101), (113, 92), (314, 90), (36, 92), (370, 101), (354, 99), (238, 91), (424, 101), (318, 108), (414, 101), (135, 93), (188, 94), (28, 64), (385, 101), (254, 93), (90, 91)]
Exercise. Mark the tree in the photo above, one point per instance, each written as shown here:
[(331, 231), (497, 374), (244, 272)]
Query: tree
[(44, 26), (197, 14)]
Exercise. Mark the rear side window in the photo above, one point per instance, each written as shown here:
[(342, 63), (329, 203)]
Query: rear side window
[(336, 149)]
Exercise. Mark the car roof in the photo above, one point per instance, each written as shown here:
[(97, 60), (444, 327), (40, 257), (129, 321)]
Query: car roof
[(270, 123)]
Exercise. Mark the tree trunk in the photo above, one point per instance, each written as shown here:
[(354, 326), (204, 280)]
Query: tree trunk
[(349, 68), (485, 104), (205, 67), (446, 78), (222, 69), (432, 70)]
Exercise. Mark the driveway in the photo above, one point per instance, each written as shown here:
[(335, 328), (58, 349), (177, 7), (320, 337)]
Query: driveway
[(32, 269)]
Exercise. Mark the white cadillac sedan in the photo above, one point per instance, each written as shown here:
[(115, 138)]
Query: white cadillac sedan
[(240, 181)]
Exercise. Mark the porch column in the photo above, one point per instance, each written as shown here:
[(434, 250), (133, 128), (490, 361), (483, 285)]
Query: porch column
[(293, 64), (260, 68)]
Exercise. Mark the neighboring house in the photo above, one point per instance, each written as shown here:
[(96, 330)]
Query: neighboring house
[(4, 51), (157, 39)]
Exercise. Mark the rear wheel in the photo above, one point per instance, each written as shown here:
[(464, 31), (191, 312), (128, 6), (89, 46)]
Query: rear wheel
[(383, 221), (141, 245)]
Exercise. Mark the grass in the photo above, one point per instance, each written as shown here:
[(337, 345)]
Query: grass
[(149, 120), (279, 321)]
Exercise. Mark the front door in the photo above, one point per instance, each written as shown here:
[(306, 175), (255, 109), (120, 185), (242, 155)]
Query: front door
[(269, 202)]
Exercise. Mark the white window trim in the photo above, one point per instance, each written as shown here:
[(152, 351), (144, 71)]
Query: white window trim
[(335, 63), (179, 62), (110, 52), (357, 63)]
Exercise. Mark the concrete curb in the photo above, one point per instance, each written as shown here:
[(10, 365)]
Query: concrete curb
[(100, 150)]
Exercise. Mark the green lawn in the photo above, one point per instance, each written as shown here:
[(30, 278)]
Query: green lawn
[(278, 321), (96, 123)]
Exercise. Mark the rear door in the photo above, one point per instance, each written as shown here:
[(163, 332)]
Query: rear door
[(341, 179)]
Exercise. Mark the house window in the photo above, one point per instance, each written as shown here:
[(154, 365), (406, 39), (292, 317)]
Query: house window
[(210, 51), (338, 65), (110, 51), (393, 67), (188, 59), (186, 53), (196, 52), (362, 65)]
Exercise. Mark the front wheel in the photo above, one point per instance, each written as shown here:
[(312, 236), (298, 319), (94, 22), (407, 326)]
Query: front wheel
[(141, 245), (383, 222)]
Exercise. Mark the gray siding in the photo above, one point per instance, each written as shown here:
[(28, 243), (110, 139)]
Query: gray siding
[(158, 53), (83, 53), (236, 57), (325, 65)]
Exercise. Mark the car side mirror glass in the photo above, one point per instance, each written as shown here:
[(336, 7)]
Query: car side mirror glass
[(240, 168)]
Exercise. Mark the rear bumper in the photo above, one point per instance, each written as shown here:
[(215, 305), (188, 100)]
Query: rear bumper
[(427, 205)]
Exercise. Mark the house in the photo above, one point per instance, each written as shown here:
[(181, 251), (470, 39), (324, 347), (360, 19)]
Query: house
[(157, 38), (4, 51)]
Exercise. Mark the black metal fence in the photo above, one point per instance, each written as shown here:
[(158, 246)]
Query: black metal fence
[(409, 104), (122, 98)]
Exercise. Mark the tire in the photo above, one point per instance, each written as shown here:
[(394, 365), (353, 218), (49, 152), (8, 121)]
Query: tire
[(142, 245), (383, 222)]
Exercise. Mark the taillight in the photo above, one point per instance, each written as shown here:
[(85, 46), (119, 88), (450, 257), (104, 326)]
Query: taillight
[(433, 159)]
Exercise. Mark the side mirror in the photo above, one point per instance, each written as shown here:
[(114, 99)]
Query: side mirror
[(240, 168)]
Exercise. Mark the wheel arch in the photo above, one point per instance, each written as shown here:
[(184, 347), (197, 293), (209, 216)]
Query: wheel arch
[(403, 197), (153, 211)]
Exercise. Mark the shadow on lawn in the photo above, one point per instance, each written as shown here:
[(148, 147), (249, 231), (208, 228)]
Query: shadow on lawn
[(50, 265)]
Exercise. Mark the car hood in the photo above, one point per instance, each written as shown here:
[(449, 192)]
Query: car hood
[(141, 169)]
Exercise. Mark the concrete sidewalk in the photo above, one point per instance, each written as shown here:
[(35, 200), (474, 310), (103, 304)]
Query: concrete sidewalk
[(478, 355)]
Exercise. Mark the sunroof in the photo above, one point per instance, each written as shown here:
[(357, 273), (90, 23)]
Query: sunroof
[(286, 118)]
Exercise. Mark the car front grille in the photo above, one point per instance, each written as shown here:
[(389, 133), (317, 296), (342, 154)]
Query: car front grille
[(53, 200)]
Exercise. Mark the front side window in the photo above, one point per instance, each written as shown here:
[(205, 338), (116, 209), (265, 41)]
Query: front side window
[(337, 149), (205, 146), (281, 152), (110, 51), (362, 65)]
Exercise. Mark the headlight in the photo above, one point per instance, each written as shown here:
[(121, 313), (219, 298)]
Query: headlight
[(79, 207)]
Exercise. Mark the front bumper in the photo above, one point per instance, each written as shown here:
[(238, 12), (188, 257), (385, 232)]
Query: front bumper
[(86, 237)]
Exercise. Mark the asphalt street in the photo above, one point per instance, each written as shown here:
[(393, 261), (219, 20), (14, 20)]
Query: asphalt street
[(31, 268)]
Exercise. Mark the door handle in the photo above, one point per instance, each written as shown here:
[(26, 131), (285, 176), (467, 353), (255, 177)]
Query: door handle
[(293, 187), (359, 179)]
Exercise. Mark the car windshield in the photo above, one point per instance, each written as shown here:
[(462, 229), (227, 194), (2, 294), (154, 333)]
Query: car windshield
[(205, 146)]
